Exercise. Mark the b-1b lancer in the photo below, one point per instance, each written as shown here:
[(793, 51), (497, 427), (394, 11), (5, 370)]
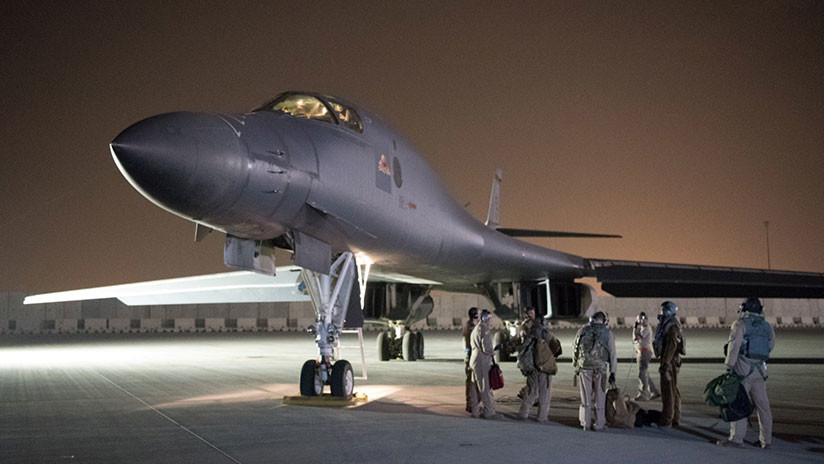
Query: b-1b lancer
[(370, 227)]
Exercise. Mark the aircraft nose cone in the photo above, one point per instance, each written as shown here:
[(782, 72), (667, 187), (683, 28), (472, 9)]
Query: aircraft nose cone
[(189, 163)]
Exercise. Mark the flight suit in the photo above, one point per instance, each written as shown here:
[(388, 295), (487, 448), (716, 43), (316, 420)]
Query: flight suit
[(670, 365), (592, 385), (754, 382), (642, 339), (471, 388), (538, 384), (481, 361)]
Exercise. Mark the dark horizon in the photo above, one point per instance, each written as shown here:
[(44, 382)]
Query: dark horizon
[(682, 127)]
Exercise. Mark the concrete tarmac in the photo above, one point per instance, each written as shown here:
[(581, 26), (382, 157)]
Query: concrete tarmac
[(217, 398)]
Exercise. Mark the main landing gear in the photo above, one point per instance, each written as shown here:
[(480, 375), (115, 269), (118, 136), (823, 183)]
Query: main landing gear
[(400, 342), (330, 297)]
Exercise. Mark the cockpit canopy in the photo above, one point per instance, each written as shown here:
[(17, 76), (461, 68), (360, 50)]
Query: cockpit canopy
[(326, 109)]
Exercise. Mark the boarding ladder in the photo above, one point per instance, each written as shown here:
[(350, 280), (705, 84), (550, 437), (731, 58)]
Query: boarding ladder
[(339, 347)]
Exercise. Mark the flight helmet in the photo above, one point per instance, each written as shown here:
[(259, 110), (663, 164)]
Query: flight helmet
[(752, 305), (473, 313), (668, 308), (599, 317)]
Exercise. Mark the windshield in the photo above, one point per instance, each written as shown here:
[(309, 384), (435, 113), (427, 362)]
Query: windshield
[(347, 115), (302, 106)]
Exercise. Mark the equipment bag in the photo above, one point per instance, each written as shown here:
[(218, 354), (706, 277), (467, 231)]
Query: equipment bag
[(722, 390), (740, 408), (757, 339), (526, 358), (496, 377), (544, 358)]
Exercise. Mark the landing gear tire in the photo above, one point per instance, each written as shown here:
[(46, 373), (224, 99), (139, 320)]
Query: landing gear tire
[(342, 382), (419, 337), (410, 346), (500, 339), (311, 383), (383, 346)]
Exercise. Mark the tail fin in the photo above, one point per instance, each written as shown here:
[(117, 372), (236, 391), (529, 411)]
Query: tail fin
[(493, 217)]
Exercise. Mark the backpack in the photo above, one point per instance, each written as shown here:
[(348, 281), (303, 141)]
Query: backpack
[(757, 338), (544, 358), (722, 390), (526, 357), (592, 348)]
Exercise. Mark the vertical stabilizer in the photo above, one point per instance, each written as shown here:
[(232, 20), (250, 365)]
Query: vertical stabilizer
[(493, 217)]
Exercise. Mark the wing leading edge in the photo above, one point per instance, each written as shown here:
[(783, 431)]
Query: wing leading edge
[(227, 287), (648, 279)]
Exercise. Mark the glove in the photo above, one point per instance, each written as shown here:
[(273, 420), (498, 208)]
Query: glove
[(496, 347), (612, 377)]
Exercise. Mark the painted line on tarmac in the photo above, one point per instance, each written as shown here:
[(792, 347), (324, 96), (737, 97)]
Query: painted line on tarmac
[(168, 418)]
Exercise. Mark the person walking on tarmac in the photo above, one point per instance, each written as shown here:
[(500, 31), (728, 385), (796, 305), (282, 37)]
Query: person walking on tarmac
[(752, 339), (669, 346), (471, 388), (593, 353), (538, 383), (481, 361), (642, 339)]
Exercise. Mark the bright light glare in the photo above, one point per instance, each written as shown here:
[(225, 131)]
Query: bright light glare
[(93, 355)]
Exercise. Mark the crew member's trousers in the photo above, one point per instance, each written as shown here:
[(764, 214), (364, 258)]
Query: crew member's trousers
[(538, 385), (646, 387), (480, 376), (670, 396), (591, 387), (756, 387), (471, 388)]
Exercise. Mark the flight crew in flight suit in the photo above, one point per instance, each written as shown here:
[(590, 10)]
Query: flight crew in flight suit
[(754, 371), (642, 339), (593, 353), (669, 346), (471, 388), (538, 384), (481, 362)]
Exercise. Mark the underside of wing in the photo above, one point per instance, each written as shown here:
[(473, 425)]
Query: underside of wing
[(646, 279), (550, 233), (227, 287)]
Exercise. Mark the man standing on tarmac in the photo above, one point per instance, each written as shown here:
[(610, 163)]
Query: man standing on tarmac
[(481, 362), (538, 384), (593, 353), (642, 339), (471, 388), (669, 346), (751, 341)]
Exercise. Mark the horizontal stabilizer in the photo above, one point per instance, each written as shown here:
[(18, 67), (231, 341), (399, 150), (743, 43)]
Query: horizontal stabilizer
[(644, 280), (550, 233), (227, 287)]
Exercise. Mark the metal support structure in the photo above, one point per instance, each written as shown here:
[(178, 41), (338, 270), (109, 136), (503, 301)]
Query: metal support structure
[(330, 297), (548, 300), (359, 331)]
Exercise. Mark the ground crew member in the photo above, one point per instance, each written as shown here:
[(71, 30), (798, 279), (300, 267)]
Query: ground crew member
[(481, 361), (471, 388), (669, 346), (593, 354), (642, 339), (538, 384), (751, 341)]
